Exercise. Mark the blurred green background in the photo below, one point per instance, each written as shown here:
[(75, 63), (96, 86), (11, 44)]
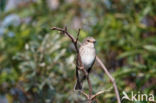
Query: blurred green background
[(37, 65)]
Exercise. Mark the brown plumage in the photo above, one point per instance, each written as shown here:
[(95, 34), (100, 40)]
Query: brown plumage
[(88, 54)]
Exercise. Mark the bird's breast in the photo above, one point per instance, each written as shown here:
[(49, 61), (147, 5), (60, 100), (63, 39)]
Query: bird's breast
[(87, 57)]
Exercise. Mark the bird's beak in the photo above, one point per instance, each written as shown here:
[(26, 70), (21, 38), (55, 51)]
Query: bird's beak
[(94, 42)]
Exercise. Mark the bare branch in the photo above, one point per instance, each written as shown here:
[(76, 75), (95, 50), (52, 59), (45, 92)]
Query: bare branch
[(100, 92), (110, 77), (77, 35), (65, 32), (86, 95), (90, 87)]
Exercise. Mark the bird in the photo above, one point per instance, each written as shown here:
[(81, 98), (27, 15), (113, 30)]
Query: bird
[(87, 53)]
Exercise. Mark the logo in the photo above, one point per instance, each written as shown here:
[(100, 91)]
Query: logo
[(138, 97)]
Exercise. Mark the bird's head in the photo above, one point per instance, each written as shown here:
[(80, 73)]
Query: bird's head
[(89, 41)]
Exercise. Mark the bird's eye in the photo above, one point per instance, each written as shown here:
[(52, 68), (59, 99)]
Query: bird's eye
[(88, 40)]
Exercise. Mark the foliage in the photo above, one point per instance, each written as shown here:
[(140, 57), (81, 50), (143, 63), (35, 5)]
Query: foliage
[(37, 65)]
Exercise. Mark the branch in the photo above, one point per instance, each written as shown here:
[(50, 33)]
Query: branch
[(64, 31), (90, 96), (86, 95), (100, 92), (110, 77), (77, 36)]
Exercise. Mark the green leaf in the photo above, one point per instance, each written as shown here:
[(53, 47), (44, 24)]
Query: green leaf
[(151, 48), (129, 53)]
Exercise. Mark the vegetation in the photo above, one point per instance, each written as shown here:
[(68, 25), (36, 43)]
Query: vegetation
[(37, 65)]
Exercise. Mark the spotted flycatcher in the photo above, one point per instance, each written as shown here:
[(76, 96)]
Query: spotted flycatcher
[(88, 54)]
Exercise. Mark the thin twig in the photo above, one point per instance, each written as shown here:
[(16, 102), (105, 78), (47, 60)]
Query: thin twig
[(64, 31), (100, 92), (78, 33), (86, 95), (110, 77), (90, 87)]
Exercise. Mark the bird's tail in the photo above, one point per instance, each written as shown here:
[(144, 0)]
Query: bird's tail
[(78, 86)]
